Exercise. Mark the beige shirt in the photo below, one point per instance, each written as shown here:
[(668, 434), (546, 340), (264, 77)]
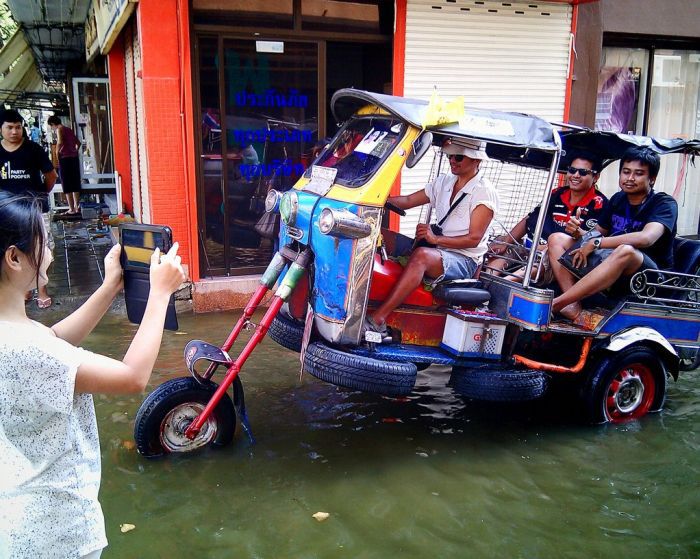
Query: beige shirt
[(479, 192)]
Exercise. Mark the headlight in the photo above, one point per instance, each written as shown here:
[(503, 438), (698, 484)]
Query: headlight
[(289, 205), (272, 201), (342, 223)]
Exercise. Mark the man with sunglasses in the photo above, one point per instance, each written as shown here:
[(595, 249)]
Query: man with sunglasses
[(465, 203), (579, 199), (637, 227)]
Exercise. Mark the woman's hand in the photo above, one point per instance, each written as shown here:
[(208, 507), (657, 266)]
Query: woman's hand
[(498, 245), (113, 268), (166, 272)]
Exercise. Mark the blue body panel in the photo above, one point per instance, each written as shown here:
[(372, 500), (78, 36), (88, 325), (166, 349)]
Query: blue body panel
[(333, 257), (532, 312), (675, 329)]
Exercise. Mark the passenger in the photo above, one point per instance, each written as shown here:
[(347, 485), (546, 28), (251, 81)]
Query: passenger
[(638, 227), (49, 445), (460, 247), (579, 197)]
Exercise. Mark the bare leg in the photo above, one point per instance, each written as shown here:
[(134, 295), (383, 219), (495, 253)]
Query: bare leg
[(559, 243), (624, 261), (423, 261), (73, 202)]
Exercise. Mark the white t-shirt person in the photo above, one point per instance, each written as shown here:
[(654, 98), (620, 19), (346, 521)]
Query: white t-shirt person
[(479, 191), (49, 476)]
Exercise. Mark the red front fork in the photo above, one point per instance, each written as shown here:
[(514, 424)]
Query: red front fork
[(295, 272)]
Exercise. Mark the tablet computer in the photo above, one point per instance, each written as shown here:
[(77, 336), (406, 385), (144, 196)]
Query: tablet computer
[(138, 242)]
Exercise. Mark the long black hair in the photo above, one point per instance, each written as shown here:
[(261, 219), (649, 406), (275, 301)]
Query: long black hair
[(22, 225)]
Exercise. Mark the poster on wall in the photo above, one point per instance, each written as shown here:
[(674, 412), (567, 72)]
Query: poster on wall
[(618, 99)]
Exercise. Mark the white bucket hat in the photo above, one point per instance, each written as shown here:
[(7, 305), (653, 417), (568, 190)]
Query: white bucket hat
[(475, 149)]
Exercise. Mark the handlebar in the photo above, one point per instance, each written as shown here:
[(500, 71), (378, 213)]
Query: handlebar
[(389, 206)]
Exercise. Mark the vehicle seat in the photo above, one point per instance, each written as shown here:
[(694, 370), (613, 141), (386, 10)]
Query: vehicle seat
[(463, 293), (686, 255)]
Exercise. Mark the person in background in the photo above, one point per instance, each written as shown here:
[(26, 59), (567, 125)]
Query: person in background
[(49, 444), (25, 167), (67, 145), (35, 133)]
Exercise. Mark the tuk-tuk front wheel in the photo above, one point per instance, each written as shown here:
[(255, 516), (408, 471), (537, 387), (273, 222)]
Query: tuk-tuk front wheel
[(169, 410), (625, 386)]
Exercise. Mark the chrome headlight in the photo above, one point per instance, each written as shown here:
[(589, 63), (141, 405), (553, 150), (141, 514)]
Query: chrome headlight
[(342, 223), (272, 201), (289, 206)]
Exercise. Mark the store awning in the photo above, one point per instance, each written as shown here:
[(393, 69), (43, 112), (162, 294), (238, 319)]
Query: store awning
[(54, 31)]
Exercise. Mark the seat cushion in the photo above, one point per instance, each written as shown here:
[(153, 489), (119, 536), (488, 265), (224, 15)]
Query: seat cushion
[(686, 255), (463, 296)]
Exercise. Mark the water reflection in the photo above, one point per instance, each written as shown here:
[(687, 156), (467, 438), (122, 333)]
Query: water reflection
[(429, 475)]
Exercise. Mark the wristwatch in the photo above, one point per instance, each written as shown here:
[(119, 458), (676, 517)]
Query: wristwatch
[(596, 243)]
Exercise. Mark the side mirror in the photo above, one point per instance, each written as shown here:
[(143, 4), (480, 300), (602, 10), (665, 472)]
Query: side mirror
[(420, 145)]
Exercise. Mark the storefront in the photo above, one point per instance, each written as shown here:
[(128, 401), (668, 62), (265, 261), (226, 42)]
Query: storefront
[(215, 102), (638, 72)]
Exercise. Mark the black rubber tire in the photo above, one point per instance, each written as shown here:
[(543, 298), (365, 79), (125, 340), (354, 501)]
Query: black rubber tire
[(172, 393), (499, 386), (358, 372), (287, 332), (596, 390)]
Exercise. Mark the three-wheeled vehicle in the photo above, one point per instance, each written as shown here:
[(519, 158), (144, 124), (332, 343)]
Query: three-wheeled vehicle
[(498, 334)]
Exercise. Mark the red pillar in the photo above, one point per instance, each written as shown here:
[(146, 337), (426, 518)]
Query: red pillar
[(167, 102), (398, 82), (120, 120)]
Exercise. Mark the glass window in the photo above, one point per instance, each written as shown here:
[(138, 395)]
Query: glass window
[(360, 148), (270, 13), (621, 90), (674, 112), (270, 128), (211, 182), (341, 15)]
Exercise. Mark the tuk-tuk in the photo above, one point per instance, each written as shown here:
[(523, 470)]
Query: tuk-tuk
[(334, 264)]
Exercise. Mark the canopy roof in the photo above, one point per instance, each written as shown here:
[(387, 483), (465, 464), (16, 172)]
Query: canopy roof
[(505, 128), (610, 146)]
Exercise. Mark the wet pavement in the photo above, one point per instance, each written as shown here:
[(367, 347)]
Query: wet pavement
[(431, 475)]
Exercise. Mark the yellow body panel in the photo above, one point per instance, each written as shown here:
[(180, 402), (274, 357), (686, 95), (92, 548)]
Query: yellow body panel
[(376, 190)]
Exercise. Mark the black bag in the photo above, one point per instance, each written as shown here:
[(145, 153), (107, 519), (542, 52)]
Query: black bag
[(437, 230), (594, 258), (437, 227)]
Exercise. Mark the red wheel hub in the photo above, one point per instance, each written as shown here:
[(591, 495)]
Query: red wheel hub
[(630, 394)]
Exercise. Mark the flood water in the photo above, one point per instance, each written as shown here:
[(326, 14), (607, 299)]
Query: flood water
[(429, 476)]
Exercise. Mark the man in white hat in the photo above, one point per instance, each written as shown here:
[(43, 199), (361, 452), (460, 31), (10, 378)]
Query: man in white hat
[(465, 203)]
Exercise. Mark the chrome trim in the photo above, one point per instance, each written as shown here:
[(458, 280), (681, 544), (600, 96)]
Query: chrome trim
[(345, 224)]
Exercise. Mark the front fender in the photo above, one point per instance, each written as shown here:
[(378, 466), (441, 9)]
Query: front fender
[(648, 336)]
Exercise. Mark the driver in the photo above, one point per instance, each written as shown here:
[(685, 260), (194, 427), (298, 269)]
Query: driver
[(457, 251)]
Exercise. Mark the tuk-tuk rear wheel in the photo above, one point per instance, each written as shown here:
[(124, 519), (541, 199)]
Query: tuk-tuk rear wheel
[(625, 386)]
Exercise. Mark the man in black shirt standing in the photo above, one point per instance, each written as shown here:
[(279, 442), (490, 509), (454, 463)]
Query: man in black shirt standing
[(25, 167), (638, 228)]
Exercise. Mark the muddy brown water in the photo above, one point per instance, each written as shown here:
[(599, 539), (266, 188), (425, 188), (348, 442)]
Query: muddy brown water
[(428, 476)]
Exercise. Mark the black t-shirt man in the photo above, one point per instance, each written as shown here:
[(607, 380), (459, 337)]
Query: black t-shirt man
[(21, 169), (620, 217)]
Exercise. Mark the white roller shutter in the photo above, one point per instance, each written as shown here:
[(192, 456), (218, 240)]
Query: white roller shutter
[(510, 56)]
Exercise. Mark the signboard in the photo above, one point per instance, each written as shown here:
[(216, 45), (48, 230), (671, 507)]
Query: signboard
[(110, 18), (92, 44)]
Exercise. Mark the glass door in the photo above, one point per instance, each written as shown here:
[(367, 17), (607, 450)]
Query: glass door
[(259, 124)]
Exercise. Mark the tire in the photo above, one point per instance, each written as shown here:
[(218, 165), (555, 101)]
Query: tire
[(498, 385), (625, 386), (287, 332), (359, 372), (181, 400)]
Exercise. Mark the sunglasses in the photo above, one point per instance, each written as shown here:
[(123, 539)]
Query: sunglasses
[(457, 158), (582, 172)]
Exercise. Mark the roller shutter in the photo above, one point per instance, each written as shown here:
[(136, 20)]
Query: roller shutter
[(510, 56)]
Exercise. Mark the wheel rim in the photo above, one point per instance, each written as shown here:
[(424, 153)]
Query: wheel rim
[(630, 394), (176, 422)]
